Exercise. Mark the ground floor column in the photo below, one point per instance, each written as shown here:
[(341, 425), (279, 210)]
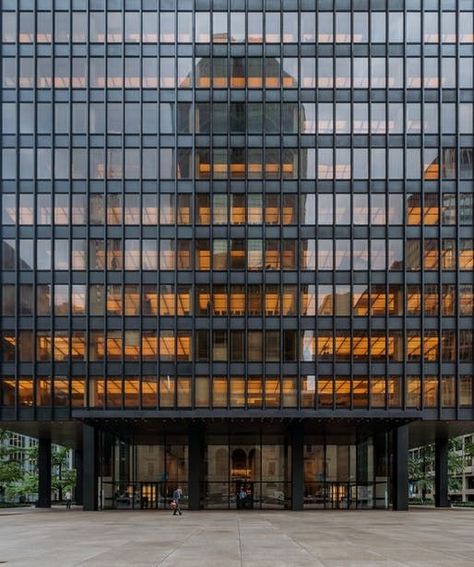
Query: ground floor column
[(400, 468), (195, 465), (441, 472), (381, 470), (297, 466), (44, 473), (89, 468), (78, 490)]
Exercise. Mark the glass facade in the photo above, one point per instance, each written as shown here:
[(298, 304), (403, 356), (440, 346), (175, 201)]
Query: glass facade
[(237, 206), (243, 470)]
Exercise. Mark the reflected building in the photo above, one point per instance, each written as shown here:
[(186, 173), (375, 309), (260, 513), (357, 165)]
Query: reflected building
[(235, 257)]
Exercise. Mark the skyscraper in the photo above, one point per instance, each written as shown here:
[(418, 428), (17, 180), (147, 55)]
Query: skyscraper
[(237, 244)]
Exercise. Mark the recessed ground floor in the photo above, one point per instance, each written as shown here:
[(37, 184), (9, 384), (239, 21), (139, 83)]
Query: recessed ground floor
[(247, 462), (247, 467), (366, 538)]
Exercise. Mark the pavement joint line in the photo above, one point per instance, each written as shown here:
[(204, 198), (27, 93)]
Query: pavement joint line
[(189, 536), (298, 544), (240, 543)]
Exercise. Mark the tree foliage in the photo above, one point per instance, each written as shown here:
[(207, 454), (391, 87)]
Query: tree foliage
[(10, 467), (20, 482), (421, 466)]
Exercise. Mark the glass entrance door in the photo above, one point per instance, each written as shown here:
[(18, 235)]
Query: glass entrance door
[(247, 472)]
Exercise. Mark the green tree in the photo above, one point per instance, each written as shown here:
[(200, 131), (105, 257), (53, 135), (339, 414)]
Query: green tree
[(10, 466), (63, 477), (420, 469), (23, 488), (421, 466), (19, 482), (26, 484)]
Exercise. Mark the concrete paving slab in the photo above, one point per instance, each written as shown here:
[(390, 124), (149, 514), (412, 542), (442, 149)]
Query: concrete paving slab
[(368, 538)]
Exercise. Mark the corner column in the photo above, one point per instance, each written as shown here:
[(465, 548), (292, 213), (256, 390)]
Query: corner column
[(441, 472), (90, 468), (297, 466), (195, 460), (44, 473), (400, 468)]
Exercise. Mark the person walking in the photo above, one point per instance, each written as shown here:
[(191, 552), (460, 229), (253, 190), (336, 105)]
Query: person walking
[(68, 500), (177, 495), (242, 498)]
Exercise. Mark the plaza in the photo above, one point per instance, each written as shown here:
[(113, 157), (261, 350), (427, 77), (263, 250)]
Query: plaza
[(56, 537), (236, 257)]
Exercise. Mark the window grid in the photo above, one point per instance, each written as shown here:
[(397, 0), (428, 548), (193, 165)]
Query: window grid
[(139, 158)]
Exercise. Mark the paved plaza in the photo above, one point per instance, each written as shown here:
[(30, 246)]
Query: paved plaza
[(421, 537)]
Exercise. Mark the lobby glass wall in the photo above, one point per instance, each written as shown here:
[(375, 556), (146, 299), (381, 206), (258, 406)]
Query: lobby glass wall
[(244, 470), (144, 475), (247, 471), (342, 474)]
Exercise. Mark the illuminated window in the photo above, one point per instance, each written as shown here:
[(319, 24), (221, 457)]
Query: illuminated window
[(325, 392), (237, 300), (131, 392), (466, 303), (201, 391), (430, 391), (466, 254), (184, 392), (378, 392), (289, 392), (167, 392), (78, 393), (308, 391), (132, 346), (360, 301), (413, 399), (149, 345), (254, 392), (360, 393), (219, 392), (149, 391), (43, 392), (114, 392), (237, 392), (25, 392), (96, 392), (114, 345)]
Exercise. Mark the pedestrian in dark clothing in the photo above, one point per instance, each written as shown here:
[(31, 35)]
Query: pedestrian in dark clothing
[(241, 498)]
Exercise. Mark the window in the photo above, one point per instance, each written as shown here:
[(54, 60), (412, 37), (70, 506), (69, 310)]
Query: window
[(237, 25), (325, 255), (167, 209), (413, 399), (167, 254), (237, 346), (448, 391), (254, 346)]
